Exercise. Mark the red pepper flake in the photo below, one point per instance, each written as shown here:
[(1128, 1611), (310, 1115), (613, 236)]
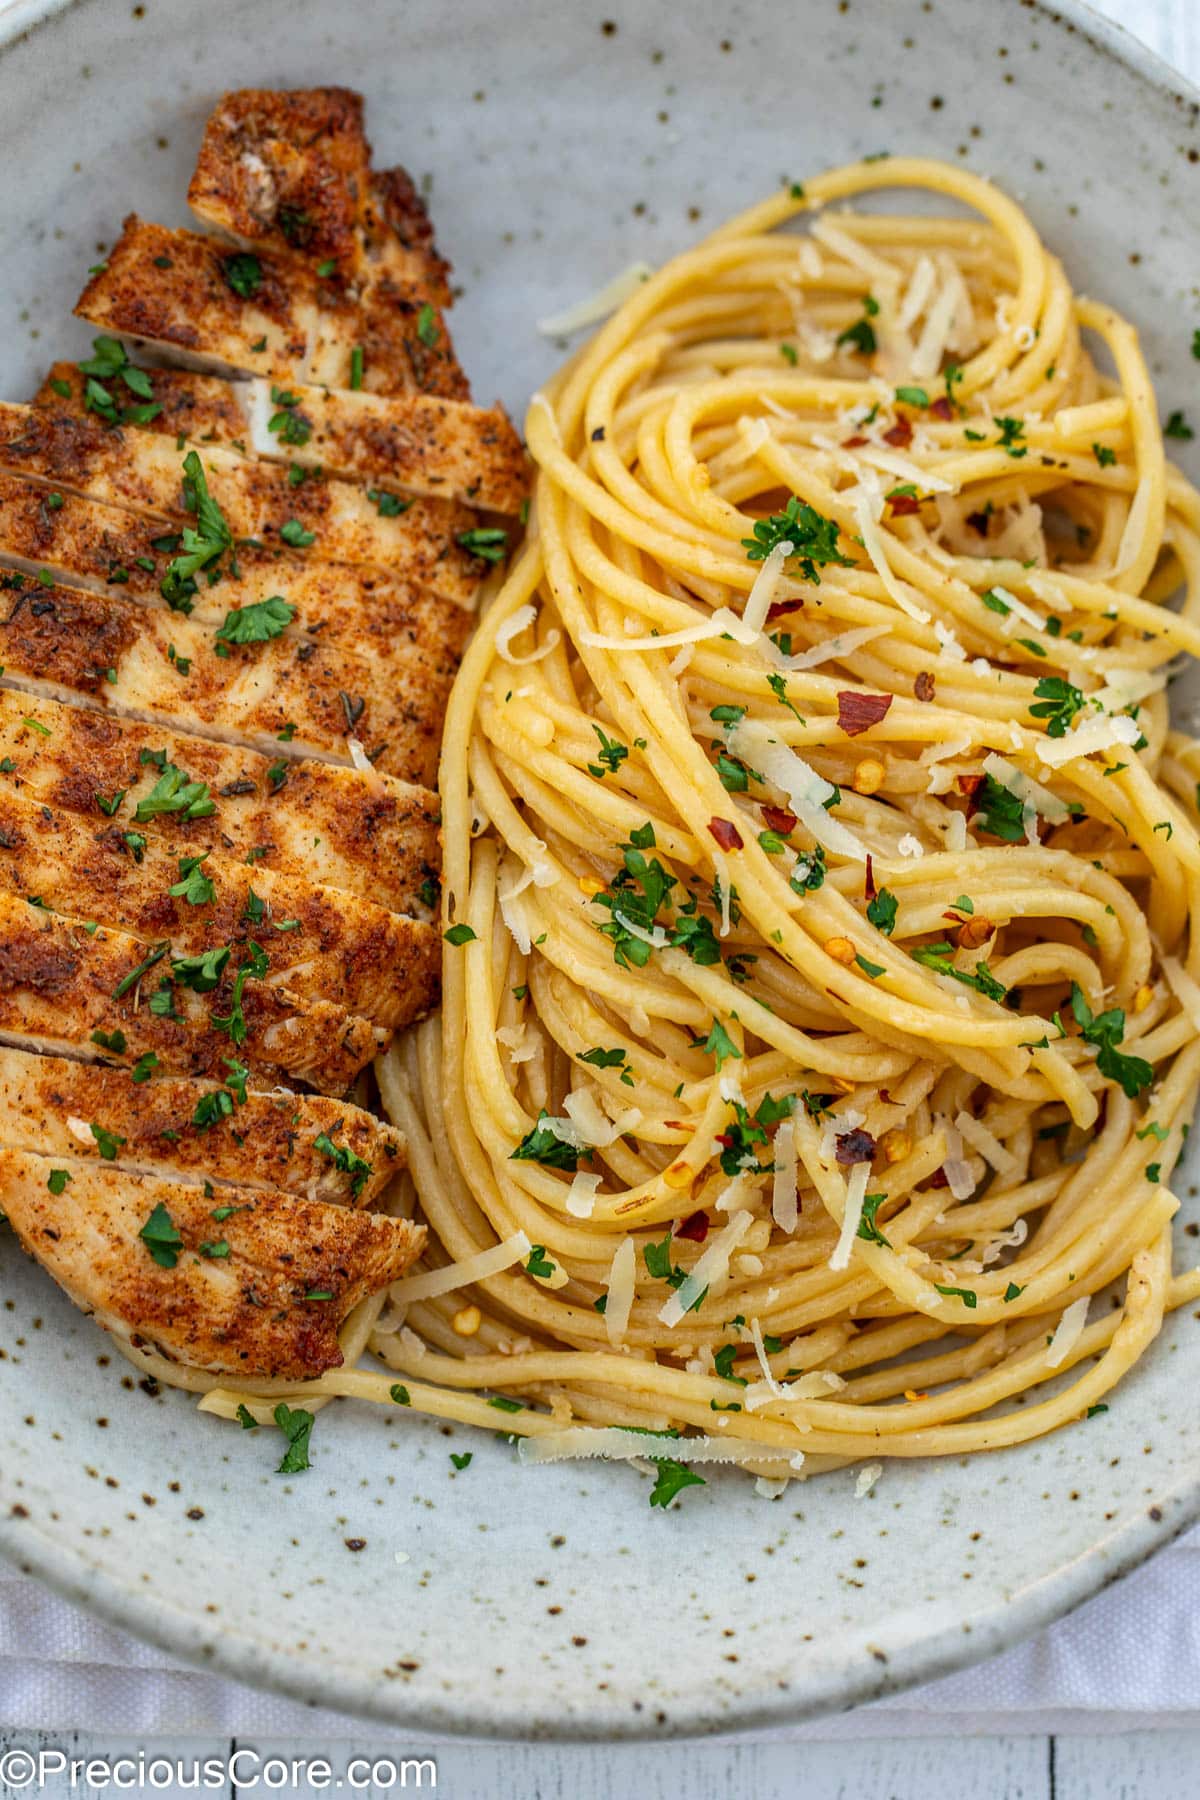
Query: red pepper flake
[(900, 434), (777, 818), (869, 888), (925, 687), (852, 443), (858, 712), (978, 521), (694, 1228), (778, 608), (726, 833), (901, 504), (968, 784), (939, 1179), (941, 408), (852, 1147)]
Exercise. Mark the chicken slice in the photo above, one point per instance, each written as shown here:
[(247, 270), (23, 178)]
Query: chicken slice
[(297, 696), (416, 442), (287, 171), (366, 833), (261, 1290), (108, 550), (142, 471), (220, 309), (379, 964), (197, 1131), (63, 979)]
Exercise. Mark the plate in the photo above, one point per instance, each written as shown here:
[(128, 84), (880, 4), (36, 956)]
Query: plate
[(559, 143)]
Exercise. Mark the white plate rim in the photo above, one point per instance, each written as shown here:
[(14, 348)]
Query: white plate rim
[(84, 1582)]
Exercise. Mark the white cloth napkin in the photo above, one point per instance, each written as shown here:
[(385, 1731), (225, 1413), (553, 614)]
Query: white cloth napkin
[(1129, 1657)]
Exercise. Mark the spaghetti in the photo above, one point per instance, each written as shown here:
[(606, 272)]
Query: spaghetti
[(822, 1000)]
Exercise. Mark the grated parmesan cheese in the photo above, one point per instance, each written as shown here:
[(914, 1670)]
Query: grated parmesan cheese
[(594, 307), (1068, 1333), (1107, 733), (709, 1271), (806, 791), (485, 1263), (987, 1144), (856, 1188), (620, 1292), (513, 627), (784, 1200), (867, 1477), (581, 1195)]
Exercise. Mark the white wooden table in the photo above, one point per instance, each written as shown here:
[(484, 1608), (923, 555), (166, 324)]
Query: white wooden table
[(1141, 1765)]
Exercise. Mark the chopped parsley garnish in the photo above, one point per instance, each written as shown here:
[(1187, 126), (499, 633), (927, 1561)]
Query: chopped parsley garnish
[(463, 1460), (720, 1045), (1178, 427), (937, 957), (400, 1394), (813, 538), (257, 623), (1000, 811), (459, 934), (295, 536), (243, 273), (296, 1426), (427, 329), (1104, 456), (1011, 433), (868, 1230), (57, 1180), (487, 541), (968, 1296), (1057, 703), (611, 756), (600, 1058), (288, 425), (388, 506), (542, 1145), (912, 396), (193, 885), (345, 1159), (201, 544), (539, 1263), (1106, 1031), (161, 1238), (881, 911), (144, 1067), (671, 1479)]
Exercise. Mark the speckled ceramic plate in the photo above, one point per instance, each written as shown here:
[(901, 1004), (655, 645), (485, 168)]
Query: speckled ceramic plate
[(561, 141)]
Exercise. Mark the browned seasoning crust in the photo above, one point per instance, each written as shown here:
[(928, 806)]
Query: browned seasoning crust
[(291, 172), (414, 443), (370, 835), (252, 1311), (269, 1140), (58, 984), (287, 171), (121, 553), (131, 659), (142, 471), (321, 942), (173, 288)]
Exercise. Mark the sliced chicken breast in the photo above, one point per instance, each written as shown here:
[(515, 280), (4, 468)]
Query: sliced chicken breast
[(365, 833), (291, 172), (89, 544), (197, 1131), (63, 979), (416, 443), (321, 942), (250, 1281), (325, 521), (299, 696), (219, 308)]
